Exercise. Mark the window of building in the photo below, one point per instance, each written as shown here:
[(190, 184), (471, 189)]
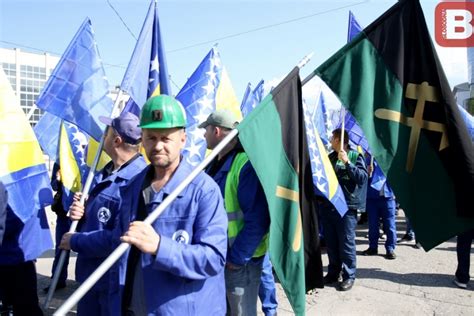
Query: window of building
[(10, 71)]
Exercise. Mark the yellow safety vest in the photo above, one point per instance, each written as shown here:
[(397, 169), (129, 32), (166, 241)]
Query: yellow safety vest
[(234, 213)]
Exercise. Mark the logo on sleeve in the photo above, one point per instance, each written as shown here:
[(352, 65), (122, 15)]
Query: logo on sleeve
[(181, 236), (103, 215)]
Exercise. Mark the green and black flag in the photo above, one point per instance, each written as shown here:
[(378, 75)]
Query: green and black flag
[(273, 136), (390, 79)]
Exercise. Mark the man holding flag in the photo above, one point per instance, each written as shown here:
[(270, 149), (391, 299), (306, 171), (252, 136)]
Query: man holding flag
[(92, 243), (175, 265), (339, 230)]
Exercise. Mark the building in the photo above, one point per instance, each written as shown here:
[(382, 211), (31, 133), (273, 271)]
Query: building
[(28, 72)]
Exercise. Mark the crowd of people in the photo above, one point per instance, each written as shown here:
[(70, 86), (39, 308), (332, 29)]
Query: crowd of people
[(207, 253)]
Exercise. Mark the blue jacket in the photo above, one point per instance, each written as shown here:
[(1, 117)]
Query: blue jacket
[(253, 204), (186, 277), (353, 181), (25, 241), (93, 243)]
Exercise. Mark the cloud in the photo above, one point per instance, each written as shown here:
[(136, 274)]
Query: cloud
[(454, 62)]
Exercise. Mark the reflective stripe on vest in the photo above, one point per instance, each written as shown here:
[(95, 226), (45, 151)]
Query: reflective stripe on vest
[(234, 213)]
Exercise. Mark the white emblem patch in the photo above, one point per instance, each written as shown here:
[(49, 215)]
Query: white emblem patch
[(103, 215), (181, 236)]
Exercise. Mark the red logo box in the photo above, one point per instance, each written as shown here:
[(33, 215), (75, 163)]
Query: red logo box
[(454, 24)]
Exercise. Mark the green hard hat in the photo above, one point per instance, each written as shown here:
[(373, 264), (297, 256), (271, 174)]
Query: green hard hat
[(162, 111)]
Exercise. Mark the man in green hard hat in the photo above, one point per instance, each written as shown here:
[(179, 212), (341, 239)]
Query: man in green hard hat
[(175, 265)]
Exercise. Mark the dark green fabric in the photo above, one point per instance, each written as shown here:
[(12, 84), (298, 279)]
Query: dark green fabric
[(387, 73), (274, 140)]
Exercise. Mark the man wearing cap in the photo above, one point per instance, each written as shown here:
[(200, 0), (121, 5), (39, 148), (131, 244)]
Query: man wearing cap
[(175, 265), (247, 212), (93, 242)]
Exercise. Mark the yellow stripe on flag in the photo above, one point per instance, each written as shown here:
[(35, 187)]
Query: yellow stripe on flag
[(19, 147), (328, 169), (225, 97), (92, 151), (156, 92), (70, 174)]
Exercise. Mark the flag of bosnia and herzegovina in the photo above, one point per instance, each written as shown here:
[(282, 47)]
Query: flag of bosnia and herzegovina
[(273, 136), (22, 167), (391, 80)]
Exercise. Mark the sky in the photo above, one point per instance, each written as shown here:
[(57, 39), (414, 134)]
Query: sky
[(258, 39)]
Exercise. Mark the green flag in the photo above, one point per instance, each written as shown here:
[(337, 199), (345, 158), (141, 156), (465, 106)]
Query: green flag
[(273, 136), (391, 80)]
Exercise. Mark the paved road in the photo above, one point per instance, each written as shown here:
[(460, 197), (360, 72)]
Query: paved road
[(416, 283)]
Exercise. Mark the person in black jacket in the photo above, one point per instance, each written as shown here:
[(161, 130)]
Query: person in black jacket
[(339, 231), (63, 223)]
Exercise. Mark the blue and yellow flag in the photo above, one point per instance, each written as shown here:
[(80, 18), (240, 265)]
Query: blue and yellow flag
[(22, 167), (324, 178), (47, 131), (147, 72), (77, 90), (208, 89), (72, 143)]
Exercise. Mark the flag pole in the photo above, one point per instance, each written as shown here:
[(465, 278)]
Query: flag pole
[(86, 188), (120, 250), (305, 60), (371, 165), (308, 78), (123, 247), (343, 128)]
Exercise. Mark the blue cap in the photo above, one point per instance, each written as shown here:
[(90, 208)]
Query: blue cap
[(126, 126)]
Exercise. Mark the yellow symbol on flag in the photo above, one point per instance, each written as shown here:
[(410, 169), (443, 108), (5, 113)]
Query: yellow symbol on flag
[(292, 196), (422, 93)]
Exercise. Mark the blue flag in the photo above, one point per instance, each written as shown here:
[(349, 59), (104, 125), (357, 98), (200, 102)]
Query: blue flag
[(356, 135), (22, 167), (354, 27), (198, 96), (324, 178), (147, 72), (247, 101), (208, 89), (259, 91), (47, 132), (77, 89), (321, 120), (251, 98)]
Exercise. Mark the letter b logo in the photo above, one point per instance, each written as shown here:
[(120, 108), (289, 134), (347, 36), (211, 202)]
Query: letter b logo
[(453, 24)]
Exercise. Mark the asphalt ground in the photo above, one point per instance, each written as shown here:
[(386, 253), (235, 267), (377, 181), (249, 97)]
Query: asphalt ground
[(415, 283)]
